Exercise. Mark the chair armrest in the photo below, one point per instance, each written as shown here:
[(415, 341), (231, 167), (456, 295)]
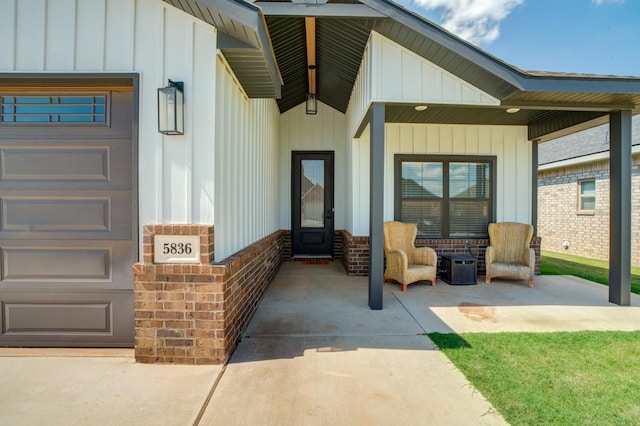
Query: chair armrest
[(424, 256), (489, 256), (532, 259), (397, 260)]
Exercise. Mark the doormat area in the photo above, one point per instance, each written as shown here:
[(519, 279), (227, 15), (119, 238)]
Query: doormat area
[(315, 262)]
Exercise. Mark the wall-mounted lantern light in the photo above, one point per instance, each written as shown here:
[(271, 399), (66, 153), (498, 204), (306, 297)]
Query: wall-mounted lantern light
[(171, 108), (312, 104)]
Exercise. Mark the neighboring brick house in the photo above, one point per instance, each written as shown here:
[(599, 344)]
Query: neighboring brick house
[(573, 193)]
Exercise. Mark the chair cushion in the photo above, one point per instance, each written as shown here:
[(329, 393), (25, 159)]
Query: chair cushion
[(510, 270), (420, 273)]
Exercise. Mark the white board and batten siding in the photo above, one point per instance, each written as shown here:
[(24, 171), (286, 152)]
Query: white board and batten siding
[(507, 143), (247, 166), (361, 93), (399, 75), (324, 131), (391, 73), (148, 37)]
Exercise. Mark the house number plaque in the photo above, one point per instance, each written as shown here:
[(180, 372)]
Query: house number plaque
[(176, 249)]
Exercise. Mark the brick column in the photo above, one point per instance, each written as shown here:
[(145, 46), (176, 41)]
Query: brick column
[(179, 308)]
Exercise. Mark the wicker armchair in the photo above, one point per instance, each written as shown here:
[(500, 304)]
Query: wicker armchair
[(509, 255), (407, 264)]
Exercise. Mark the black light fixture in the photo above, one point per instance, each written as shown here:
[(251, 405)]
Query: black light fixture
[(171, 109), (312, 104)]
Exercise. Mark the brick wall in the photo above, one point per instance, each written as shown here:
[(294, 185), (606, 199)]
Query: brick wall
[(588, 234), (355, 254), (195, 313), (355, 251)]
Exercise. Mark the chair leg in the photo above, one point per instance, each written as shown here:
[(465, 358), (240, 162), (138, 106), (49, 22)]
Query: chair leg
[(433, 282), (531, 283), (403, 286), (384, 279), (487, 279)]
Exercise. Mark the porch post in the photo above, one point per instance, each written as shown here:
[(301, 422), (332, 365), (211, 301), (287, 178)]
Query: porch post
[(620, 208), (534, 186), (376, 205)]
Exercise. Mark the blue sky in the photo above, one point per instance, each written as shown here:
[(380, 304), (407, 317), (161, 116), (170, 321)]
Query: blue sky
[(582, 36)]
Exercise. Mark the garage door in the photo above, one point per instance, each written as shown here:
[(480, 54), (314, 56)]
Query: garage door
[(66, 216)]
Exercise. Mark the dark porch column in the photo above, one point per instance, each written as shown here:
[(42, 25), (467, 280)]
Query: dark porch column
[(376, 205), (620, 208), (534, 186)]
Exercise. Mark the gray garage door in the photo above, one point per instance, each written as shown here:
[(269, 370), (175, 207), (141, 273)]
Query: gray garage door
[(66, 217)]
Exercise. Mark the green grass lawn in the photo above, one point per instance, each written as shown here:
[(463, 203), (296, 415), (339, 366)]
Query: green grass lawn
[(582, 378), (591, 269)]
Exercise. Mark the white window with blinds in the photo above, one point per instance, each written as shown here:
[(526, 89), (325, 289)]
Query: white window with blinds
[(445, 196)]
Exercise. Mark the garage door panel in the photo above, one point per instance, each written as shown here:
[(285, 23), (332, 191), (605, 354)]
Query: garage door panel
[(80, 214), (56, 264), (65, 265), (62, 165), (55, 163), (59, 214), (56, 318), (100, 319)]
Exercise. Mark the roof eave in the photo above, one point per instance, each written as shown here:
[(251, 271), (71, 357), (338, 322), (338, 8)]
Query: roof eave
[(248, 26)]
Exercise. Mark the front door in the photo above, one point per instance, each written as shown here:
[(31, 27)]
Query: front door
[(312, 204)]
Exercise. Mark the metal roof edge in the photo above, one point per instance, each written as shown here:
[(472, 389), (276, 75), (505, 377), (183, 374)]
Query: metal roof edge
[(582, 83), (584, 159), (251, 16), (272, 64)]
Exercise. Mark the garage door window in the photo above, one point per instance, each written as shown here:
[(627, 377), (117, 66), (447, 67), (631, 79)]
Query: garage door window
[(51, 109)]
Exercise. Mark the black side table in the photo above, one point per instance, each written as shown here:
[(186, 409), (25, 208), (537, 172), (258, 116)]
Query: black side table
[(458, 269)]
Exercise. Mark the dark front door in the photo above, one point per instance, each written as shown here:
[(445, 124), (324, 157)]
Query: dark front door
[(312, 203)]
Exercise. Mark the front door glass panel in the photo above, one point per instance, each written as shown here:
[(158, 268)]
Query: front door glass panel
[(312, 194)]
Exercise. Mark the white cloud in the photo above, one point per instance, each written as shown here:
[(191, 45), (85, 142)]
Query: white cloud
[(477, 21), (599, 2)]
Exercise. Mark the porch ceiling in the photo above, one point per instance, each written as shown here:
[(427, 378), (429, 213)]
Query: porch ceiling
[(340, 44), (447, 114)]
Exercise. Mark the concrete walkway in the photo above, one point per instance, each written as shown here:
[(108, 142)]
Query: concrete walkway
[(313, 354)]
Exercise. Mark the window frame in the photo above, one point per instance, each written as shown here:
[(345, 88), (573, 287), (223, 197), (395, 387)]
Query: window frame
[(56, 93), (581, 196), (445, 160)]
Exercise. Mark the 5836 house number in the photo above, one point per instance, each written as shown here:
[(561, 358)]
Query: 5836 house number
[(176, 249)]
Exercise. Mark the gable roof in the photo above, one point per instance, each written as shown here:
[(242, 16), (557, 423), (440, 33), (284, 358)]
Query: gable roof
[(582, 144), (265, 44)]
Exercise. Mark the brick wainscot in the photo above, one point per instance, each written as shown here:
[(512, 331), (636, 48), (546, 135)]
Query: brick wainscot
[(196, 313), (355, 251)]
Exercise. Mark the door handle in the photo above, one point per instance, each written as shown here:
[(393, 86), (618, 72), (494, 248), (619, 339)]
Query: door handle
[(328, 215)]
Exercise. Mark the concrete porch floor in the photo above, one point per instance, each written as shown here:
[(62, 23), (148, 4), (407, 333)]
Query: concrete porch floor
[(314, 353)]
